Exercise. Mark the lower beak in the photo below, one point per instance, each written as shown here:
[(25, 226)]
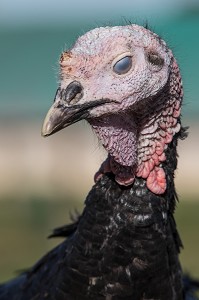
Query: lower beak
[(60, 116)]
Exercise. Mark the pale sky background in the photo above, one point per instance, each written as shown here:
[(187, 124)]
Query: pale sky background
[(20, 12)]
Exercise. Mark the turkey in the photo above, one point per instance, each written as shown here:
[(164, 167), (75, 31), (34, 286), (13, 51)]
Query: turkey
[(126, 83)]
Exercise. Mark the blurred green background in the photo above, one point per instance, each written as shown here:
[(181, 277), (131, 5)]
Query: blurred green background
[(43, 180)]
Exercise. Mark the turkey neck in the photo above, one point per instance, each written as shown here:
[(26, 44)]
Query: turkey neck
[(126, 244), (137, 139)]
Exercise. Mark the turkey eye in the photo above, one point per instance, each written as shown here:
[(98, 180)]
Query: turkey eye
[(123, 65)]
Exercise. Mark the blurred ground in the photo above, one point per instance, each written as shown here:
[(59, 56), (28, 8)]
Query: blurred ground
[(48, 167)]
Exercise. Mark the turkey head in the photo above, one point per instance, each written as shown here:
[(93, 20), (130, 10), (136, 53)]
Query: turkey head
[(125, 82)]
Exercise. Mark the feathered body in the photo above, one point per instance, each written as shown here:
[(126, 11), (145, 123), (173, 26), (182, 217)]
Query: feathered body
[(126, 83)]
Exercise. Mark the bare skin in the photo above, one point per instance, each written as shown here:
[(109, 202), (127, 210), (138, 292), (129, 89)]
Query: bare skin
[(135, 75)]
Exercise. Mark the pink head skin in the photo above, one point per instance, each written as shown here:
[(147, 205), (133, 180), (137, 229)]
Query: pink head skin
[(136, 78)]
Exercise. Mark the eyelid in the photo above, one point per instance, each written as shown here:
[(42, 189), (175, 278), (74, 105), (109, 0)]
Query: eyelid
[(121, 56)]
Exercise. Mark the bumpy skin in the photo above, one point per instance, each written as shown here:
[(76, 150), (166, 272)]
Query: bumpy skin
[(143, 109), (125, 244)]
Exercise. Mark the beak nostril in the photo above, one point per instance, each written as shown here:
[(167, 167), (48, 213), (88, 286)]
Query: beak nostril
[(73, 92)]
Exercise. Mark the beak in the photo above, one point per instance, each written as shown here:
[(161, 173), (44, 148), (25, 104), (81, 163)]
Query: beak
[(62, 115)]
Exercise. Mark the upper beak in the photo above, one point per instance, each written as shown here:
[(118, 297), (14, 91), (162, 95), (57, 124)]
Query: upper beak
[(63, 114)]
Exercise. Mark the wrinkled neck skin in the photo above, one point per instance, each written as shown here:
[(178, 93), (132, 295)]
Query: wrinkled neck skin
[(136, 140), (119, 136)]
